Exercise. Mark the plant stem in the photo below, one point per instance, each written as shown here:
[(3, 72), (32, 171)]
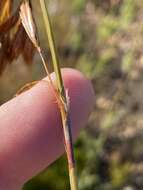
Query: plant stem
[(64, 109), (52, 46)]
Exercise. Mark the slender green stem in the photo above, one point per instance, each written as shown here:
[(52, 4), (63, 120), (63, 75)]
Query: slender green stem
[(65, 112), (52, 46)]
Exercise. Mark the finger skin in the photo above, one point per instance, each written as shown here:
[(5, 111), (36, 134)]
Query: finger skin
[(31, 135)]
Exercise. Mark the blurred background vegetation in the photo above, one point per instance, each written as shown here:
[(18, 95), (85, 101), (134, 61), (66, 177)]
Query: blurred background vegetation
[(104, 40)]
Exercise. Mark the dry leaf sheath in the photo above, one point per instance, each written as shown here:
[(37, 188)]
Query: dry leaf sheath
[(60, 93), (28, 23)]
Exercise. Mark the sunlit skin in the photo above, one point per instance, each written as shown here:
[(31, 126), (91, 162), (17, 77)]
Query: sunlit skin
[(31, 136)]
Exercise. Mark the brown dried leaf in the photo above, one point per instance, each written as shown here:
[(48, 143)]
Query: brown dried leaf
[(9, 23), (13, 38), (4, 44), (28, 22), (17, 43), (28, 51), (5, 10), (26, 87)]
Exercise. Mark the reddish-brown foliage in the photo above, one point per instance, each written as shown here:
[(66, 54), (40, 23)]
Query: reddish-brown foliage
[(13, 38)]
